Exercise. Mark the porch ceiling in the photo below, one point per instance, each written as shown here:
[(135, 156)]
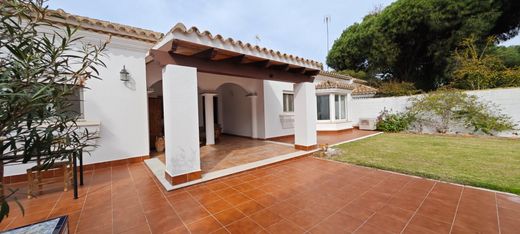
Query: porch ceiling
[(221, 56)]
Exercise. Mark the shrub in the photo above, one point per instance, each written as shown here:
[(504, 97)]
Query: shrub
[(394, 122), (444, 109)]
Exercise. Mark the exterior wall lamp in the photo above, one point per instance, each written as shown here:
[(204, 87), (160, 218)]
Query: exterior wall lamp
[(124, 75)]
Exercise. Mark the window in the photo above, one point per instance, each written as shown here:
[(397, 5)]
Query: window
[(288, 102), (340, 105), (323, 107), (76, 103)]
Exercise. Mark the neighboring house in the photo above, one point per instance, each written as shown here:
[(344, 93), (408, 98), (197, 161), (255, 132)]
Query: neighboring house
[(186, 84)]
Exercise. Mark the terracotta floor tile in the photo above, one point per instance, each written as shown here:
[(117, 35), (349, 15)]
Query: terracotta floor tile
[(194, 214), (245, 225), (338, 222), (206, 225), (228, 216), (250, 207), (283, 209), (437, 209), (369, 229), (422, 224), (217, 206), (265, 218), (305, 218), (285, 227), (326, 197)]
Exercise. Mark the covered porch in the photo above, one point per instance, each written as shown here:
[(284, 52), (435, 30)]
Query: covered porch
[(212, 105)]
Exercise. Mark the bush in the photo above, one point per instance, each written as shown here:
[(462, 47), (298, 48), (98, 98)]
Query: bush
[(392, 88), (443, 109), (394, 122)]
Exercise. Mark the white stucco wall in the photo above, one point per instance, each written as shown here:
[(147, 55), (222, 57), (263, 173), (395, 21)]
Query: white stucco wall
[(120, 107), (508, 100), (273, 107)]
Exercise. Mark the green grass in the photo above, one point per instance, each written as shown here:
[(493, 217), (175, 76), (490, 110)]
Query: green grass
[(486, 162)]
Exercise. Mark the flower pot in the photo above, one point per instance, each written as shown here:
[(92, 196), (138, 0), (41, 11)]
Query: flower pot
[(159, 144)]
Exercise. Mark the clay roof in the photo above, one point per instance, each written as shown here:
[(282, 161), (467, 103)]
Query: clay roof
[(328, 84), (341, 76), (221, 40), (361, 89), (101, 26)]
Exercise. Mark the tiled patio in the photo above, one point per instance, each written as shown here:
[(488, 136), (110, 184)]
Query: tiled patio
[(332, 137), (231, 151), (304, 194)]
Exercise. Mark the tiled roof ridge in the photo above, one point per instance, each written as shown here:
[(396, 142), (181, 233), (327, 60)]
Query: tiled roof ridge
[(183, 29), (329, 84), (96, 25)]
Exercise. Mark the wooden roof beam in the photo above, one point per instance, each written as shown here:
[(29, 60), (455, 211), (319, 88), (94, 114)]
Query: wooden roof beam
[(205, 54), (247, 70), (234, 59), (299, 70)]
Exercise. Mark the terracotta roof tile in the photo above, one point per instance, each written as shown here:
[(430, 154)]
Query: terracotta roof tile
[(328, 84)]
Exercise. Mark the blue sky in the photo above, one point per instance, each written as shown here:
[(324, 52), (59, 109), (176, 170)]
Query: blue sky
[(290, 26)]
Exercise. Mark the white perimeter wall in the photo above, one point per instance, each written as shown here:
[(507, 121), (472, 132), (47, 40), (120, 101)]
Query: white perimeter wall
[(120, 107), (508, 100)]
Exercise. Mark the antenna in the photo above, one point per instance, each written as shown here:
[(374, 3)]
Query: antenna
[(327, 20)]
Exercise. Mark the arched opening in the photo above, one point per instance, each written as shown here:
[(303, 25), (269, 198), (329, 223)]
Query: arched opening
[(235, 110)]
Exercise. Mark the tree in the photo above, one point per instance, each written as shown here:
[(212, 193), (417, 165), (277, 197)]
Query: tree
[(475, 68), (413, 40), (510, 55), (38, 74)]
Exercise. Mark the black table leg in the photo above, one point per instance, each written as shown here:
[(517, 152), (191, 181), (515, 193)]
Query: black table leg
[(81, 167), (75, 175)]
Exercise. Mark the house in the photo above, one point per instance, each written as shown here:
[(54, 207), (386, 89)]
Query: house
[(189, 86)]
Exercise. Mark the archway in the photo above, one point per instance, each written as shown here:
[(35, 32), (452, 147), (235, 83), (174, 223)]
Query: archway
[(235, 110)]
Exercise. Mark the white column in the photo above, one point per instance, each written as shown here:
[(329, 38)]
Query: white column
[(305, 115), (349, 106), (254, 124), (181, 127), (332, 107), (209, 118)]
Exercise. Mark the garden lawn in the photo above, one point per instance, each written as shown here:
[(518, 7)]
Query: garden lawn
[(486, 162)]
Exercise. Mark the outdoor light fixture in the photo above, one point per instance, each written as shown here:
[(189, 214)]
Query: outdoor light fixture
[(124, 74)]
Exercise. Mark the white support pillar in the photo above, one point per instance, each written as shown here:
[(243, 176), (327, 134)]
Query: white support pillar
[(181, 127), (209, 118), (349, 106), (332, 107), (254, 120), (305, 115)]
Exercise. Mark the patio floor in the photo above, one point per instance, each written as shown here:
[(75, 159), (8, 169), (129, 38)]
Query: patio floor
[(304, 194), (331, 137), (231, 151)]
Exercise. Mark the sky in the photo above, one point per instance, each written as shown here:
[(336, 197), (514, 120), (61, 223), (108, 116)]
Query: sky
[(291, 26)]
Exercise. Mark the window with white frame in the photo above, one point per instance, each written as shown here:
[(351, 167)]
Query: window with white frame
[(323, 107), (340, 106), (288, 102)]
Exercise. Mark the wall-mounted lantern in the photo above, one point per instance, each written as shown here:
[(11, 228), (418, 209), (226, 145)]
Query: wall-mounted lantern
[(124, 74)]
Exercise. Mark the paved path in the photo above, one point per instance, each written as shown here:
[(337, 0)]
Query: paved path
[(300, 195)]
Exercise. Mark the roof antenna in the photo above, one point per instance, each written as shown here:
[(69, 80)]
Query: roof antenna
[(327, 20)]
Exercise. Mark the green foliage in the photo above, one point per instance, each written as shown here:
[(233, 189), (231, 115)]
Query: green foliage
[(395, 88), (356, 74), (446, 108), (394, 122), (475, 68), (510, 55), (413, 40), (38, 73)]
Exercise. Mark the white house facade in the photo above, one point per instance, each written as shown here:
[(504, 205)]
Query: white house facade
[(190, 86)]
